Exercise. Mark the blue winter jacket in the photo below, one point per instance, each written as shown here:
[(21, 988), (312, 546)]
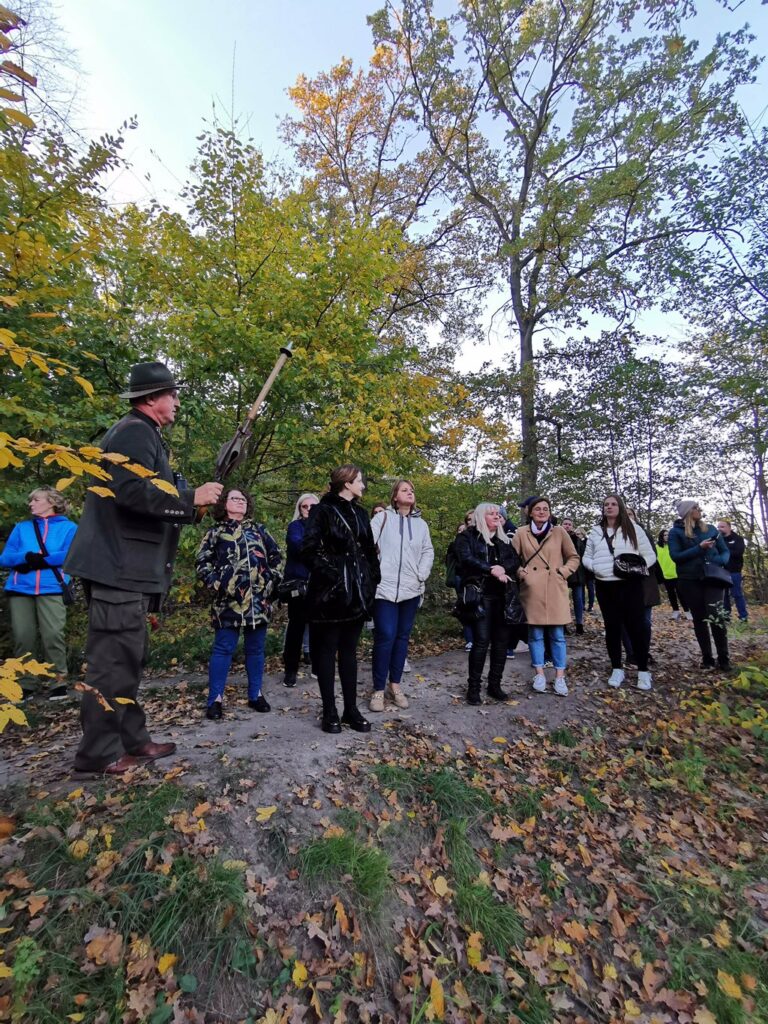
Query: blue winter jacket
[(295, 568), (689, 556), (57, 533)]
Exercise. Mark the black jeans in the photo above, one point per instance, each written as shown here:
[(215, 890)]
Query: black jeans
[(706, 603), (327, 641), (490, 631), (622, 604), (294, 634), (673, 594)]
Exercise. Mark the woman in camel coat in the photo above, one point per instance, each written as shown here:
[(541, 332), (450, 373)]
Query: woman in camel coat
[(548, 558)]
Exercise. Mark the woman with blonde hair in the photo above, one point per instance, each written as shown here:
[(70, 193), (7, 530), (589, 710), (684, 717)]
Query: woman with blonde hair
[(547, 558), (487, 560), (296, 576), (405, 557), (701, 554), (34, 554)]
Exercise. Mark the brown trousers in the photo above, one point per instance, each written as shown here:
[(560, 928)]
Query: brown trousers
[(116, 653)]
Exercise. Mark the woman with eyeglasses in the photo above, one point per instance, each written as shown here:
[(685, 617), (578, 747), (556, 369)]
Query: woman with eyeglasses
[(237, 561), (344, 572), (296, 574), (693, 545)]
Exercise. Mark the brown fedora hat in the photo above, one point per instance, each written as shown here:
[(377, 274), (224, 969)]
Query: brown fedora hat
[(149, 378)]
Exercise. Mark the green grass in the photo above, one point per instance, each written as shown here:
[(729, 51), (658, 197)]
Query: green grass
[(465, 864), (563, 737), (480, 911), (691, 769), (526, 802), (196, 910), (367, 867), (452, 796)]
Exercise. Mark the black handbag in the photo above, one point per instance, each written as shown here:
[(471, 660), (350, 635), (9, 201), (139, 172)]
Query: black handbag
[(626, 566), (469, 606), (291, 588), (514, 614), (716, 574), (68, 592)]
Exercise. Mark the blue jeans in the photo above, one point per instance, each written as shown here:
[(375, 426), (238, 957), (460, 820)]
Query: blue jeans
[(224, 644), (738, 597), (392, 625), (578, 603), (556, 641)]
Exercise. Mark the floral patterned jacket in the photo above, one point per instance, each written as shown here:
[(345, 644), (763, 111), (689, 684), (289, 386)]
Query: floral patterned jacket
[(237, 562)]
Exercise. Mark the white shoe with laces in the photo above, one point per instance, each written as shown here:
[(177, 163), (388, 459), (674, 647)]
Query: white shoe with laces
[(616, 678), (644, 681), (561, 687), (675, 616), (406, 666), (540, 684)]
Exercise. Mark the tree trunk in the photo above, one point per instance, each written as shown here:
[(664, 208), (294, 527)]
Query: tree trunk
[(529, 464)]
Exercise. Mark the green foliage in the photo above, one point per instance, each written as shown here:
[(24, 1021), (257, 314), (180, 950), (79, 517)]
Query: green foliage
[(331, 859), (479, 910)]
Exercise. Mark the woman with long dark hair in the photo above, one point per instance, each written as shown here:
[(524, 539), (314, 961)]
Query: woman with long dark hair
[(237, 561), (296, 575), (622, 601), (693, 546), (487, 560), (343, 575)]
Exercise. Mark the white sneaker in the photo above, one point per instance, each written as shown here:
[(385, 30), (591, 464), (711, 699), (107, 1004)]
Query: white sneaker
[(468, 645), (561, 687), (540, 684), (406, 666), (644, 681), (689, 616), (616, 677), (675, 616)]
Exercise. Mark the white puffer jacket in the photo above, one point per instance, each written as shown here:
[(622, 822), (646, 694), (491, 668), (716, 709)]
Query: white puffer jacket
[(597, 555), (405, 554)]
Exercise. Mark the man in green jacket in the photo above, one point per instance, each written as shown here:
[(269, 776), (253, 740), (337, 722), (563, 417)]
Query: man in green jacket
[(124, 552)]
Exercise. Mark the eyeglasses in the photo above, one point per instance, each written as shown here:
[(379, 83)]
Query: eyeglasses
[(234, 497)]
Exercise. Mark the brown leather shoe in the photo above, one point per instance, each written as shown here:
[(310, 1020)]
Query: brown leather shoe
[(119, 767), (152, 751)]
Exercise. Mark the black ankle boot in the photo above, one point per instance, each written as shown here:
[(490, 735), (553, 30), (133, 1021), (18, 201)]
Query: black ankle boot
[(355, 721), (579, 629), (495, 691), (289, 679), (473, 693), (331, 721)]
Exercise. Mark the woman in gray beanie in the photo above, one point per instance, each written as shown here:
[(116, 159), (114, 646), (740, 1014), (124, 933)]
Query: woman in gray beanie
[(692, 546)]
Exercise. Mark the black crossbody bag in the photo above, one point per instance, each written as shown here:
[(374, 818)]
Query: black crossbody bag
[(68, 594)]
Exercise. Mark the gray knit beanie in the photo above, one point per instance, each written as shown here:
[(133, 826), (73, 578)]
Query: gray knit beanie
[(685, 506)]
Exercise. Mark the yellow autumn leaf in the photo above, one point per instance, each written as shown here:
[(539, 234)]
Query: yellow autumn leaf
[(64, 483), (84, 384), (5, 971), (299, 974), (265, 813), (102, 492), (722, 934), (610, 972), (76, 1017), (124, 700), (18, 116), (437, 998), (78, 849), (499, 739), (631, 1009), (166, 962), (164, 486), (234, 865), (441, 885), (728, 984)]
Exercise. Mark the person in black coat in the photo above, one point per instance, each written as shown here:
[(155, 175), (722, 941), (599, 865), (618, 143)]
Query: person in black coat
[(339, 551), (486, 558), (124, 551)]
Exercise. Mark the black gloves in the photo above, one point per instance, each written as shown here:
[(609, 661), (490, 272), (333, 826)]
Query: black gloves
[(35, 560)]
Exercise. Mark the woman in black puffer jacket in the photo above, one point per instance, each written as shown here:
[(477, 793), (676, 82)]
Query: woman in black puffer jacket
[(344, 572)]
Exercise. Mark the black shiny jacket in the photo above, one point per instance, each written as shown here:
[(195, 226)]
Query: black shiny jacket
[(475, 559)]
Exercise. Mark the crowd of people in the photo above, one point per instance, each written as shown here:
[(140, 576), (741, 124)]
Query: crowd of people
[(343, 568)]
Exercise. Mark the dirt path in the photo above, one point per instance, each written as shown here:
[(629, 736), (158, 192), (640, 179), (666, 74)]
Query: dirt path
[(286, 748)]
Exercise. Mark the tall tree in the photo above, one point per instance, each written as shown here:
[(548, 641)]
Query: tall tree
[(568, 128)]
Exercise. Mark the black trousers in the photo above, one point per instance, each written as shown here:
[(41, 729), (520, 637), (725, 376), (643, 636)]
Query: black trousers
[(490, 632), (294, 633), (673, 594), (328, 642), (115, 651), (622, 605), (706, 605)]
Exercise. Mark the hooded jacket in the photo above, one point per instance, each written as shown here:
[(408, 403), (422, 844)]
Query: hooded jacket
[(688, 554), (237, 562), (57, 533), (597, 555), (405, 554), (343, 565)]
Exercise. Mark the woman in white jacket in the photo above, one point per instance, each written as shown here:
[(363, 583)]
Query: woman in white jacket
[(406, 555), (621, 601)]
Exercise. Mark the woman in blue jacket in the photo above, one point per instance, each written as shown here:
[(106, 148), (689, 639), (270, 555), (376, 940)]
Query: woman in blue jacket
[(296, 571), (36, 603), (693, 544)]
